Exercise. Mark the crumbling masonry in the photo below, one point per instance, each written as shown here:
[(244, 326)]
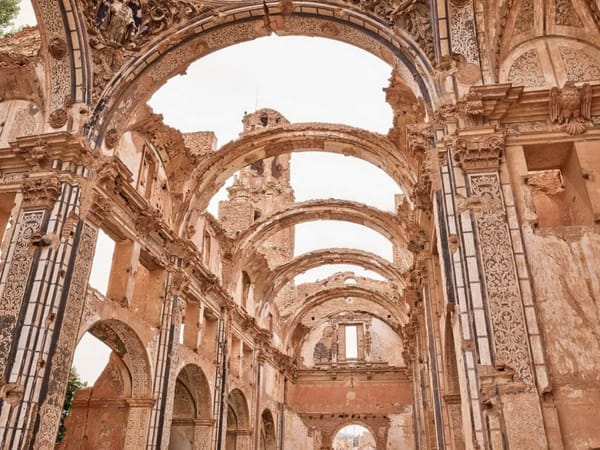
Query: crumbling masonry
[(485, 333)]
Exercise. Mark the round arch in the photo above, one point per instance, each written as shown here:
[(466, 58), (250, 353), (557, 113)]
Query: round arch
[(191, 424), (105, 407), (194, 381), (360, 423), (239, 404), (238, 421), (126, 343), (211, 28), (386, 224), (268, 440), (211, 174), (326, 295), (285, 273)]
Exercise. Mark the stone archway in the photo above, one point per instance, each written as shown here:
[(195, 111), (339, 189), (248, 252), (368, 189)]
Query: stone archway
[(331, 294), (386, 224), (212, 172), (355, 436), (117, 408), (191, 426), (367, 260), (238, 422), (268, 441)]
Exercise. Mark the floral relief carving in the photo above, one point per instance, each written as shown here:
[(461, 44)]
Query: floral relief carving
[(579, 65), (504, 304), (525, 17), (16, 280), (565, 14), (462, 30), (526, 70)]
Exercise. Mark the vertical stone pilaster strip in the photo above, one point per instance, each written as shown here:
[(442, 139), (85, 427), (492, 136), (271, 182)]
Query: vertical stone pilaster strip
[(14, 280), (500, 278), (514, 415), (60, 365), (165, 367), (22, 312)]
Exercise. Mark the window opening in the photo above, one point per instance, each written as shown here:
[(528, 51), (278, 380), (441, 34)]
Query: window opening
[(351, 341)]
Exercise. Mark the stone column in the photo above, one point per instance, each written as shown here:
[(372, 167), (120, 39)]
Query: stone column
[(499, 292), (43, 284), (165, 368)]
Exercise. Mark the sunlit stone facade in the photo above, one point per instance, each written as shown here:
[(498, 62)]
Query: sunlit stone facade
[(485, 332)]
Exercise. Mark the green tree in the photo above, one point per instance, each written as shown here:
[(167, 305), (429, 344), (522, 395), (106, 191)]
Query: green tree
[(8, 11), (75, 383)]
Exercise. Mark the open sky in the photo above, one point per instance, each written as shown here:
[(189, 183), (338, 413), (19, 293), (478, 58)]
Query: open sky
[(305, 79)]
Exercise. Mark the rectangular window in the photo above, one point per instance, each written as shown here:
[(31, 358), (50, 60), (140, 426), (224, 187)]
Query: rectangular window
[(351, 341)]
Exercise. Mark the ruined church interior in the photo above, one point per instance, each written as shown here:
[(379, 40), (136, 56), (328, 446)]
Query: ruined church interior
[(478, 329)]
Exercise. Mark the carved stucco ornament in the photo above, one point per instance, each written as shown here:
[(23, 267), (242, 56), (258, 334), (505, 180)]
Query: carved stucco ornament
[(111, 139), (11, 393), (57, 48), (471, 109), (571, 107), (480, 152), (410, 15), (38, 156), (58, 118), (40, 192)]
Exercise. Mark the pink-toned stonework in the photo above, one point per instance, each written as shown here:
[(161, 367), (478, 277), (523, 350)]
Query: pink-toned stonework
[(484, 332)]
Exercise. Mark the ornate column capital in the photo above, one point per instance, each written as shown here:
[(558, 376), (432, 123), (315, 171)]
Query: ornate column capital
[(479, 152), (40, 192)]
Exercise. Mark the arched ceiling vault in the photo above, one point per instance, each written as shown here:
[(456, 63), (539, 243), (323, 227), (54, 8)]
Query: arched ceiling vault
[(212, 172), (325, 295), (285, 273)]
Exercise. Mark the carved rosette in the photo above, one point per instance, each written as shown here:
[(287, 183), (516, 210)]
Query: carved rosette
[(58, 118), (40, 192), (476, 153)]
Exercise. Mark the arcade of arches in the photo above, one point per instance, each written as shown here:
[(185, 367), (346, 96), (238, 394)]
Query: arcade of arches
[(484, 330)]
